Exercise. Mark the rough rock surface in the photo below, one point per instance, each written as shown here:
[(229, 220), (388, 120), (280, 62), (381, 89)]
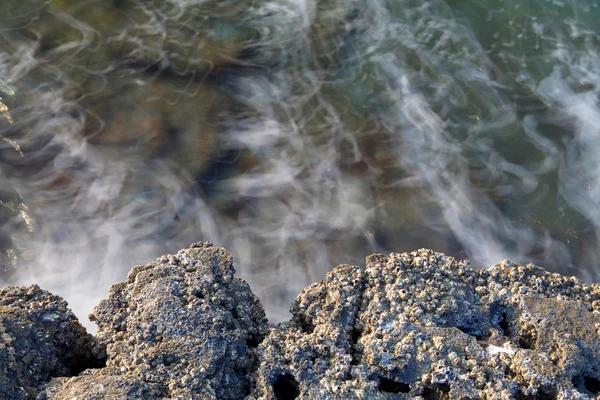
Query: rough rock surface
[(182, 327), (39, 338), (408, 326), (105, 383), (424, 326)]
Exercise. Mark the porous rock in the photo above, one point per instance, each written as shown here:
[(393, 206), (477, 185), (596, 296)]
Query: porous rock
[(424, 326), (183, 326), (39, 338), (417, 325), (96, 384)]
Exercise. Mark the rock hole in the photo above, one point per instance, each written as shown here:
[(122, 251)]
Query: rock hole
[(471, 332), (438, 392), (500, 318), (355, 336), (587, 383), (527, 339), (306, 326), (544, 393), (355, 358), (169, 360), (509, 373), (252, 343), (504, 325), (392, 386), (592, 385), (77, 365), (430, 394), (286, 387)]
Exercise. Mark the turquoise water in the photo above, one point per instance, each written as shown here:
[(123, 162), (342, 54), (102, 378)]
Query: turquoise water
[(298, 134)]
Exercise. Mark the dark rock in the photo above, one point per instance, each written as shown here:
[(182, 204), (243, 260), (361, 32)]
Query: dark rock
[(40, 338)]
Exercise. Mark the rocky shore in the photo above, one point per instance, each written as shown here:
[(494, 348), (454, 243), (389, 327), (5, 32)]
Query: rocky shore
[(417, 325)]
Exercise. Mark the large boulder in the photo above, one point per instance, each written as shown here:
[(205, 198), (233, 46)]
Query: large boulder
[(424, 326), (181, 327)]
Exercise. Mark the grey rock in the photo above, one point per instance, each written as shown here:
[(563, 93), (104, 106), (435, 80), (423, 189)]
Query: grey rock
[(184, 324), (424, 326), (417, 325), (39, 338)]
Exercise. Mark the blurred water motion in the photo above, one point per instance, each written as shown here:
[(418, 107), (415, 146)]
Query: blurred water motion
[(298, 134)]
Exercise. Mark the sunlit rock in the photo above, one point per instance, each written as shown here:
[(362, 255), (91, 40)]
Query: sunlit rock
[(185, 324), (105, 383), (423, 324), (412, 325)]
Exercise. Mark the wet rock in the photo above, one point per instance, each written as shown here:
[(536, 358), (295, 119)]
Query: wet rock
[(201, 35), (39, 338), (105, 51), (422, 325), (154, 119)]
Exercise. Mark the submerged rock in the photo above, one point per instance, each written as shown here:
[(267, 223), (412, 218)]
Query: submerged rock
[(156, 119), (414, 325)]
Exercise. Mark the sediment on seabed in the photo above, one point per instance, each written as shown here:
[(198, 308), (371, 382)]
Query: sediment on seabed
[(417, 325)]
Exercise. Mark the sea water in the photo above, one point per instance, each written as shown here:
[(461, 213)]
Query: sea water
[(298, 134)]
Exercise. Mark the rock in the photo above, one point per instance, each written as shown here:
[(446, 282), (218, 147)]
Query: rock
[(201, 34), (39, 338), (110, 57), (154, 119), (106, 383), (184, 324), (415, 325), (422, 325)]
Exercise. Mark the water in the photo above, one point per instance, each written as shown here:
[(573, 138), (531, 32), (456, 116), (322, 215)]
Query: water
[(298, 134)]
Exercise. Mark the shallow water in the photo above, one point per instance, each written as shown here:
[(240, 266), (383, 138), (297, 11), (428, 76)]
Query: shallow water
[(298, 134)]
